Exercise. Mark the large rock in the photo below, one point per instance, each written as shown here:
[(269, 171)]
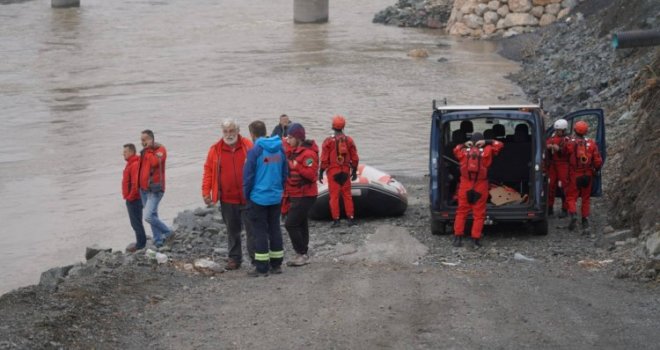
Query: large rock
[(489, 29), (569, 3), (544, 2), (494, 5), (459, 28), (503, 11), (653, 244), (52, 278), (537, 11), (491, 17), (473, 21), (547, 19), (480, 9), (91, 252), (553, 9), (519, 19), (563, 13), (520, 5), (608, 239)]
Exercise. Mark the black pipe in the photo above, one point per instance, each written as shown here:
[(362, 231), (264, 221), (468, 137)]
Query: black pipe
[(636, 38)]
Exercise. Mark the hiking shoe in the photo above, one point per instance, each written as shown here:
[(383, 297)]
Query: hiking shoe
[(351, 222), (573, 224), (563, 214), (476, 243), (458, 241), (257, 273), (299, 260), (585, 223), (232, 265), (335, 224), (276, 270)]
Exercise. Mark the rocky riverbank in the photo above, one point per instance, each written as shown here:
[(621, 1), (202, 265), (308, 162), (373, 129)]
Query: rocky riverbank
[(416, 13), (571, 65)]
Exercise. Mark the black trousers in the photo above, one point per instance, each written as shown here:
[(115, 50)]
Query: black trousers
[(297, 223), (235, 218), (135, 215), (265, 221)]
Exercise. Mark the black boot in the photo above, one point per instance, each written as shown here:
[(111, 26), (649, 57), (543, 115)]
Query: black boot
[(335, 224), (585, 223), (563, 214), (351, 222), (458, 241), (573, 224), (551, 211), (476, 242)]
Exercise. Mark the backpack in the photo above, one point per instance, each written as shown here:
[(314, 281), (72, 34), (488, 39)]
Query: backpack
[(474, 156), (341, 148), (582, 154)]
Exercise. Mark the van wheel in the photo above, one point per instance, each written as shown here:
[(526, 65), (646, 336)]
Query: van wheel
[(540, 228), (438, 228)]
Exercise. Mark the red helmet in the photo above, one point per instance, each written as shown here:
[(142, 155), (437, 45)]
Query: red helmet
[(338, 122), (581, 128)]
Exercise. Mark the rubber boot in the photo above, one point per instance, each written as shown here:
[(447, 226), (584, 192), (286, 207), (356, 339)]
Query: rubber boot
[(573, 224), (458, 241), (476, 242), (585, 223), (351, 222), (335, 224)]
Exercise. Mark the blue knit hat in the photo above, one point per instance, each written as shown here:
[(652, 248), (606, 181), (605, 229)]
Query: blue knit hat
[(296, 130)]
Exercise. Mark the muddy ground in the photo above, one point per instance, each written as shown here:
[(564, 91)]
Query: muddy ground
[(387, 283)]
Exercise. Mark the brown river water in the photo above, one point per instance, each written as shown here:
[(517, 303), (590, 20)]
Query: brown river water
[(77, 84)]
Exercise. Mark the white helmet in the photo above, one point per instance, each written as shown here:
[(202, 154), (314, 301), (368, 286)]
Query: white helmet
[(561, 124)]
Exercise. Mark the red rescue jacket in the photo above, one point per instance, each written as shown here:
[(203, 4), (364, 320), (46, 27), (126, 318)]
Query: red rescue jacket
[(223, 171), (303, 170), (583, 156), (559, 156), (151, 166), (129, 182), (486, 159), (339, 154)]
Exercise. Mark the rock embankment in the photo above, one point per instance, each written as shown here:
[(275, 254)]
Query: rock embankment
[(571, 65), (485, 18), (416, 13)]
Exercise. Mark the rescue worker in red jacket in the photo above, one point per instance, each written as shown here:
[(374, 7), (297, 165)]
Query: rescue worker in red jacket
[(475, 157), (340, 159), (152, 184), (223, 182), (584, 161), (557, 161), (301, 189), (131, 193)]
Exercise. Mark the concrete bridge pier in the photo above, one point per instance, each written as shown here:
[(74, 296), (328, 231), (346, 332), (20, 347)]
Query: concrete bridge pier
[(310, 11), (64, 3)]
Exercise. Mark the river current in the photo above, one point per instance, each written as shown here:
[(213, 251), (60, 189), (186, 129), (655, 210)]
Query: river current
[(77, 84)]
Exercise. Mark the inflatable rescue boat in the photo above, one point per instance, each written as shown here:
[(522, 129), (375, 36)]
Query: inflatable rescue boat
[(374, 192)]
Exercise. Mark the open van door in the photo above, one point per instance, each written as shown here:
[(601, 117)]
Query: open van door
[(596, 120)]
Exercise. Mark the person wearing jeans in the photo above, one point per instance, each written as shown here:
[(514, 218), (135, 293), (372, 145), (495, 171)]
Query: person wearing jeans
[(151, 172), (131, 194)]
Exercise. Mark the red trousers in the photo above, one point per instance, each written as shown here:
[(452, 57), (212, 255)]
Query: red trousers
[(574, 193), (336, 190), (558, 177), (478, 208)]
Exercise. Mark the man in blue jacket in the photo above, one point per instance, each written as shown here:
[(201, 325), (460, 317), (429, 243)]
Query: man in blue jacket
[(264, 176)]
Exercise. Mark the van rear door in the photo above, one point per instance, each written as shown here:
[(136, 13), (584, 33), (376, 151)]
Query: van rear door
[(596, 120)]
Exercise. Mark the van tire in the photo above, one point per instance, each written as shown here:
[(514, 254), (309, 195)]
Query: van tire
[(540, 228), (438, 228)]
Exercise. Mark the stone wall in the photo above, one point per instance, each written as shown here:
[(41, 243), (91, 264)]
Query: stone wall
[(416, 13), (485, 18)]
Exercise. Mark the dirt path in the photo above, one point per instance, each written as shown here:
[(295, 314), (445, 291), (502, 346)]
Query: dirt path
[(360, 305)]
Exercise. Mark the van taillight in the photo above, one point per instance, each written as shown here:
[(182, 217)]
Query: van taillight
[(531, 214), (444, 214)]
